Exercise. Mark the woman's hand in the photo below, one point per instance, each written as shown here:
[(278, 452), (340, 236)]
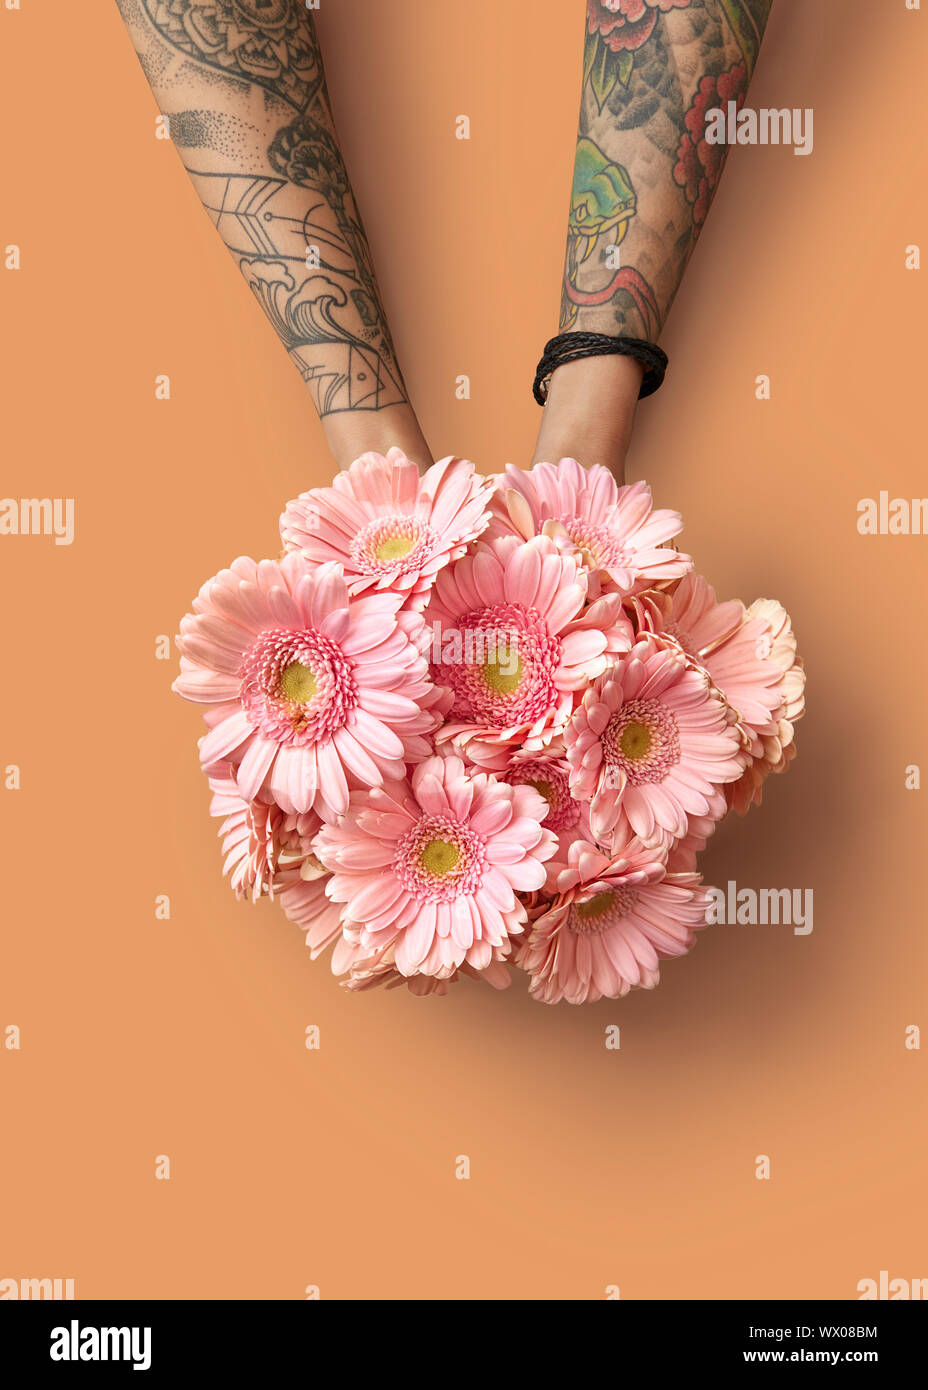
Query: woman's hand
[(352, 433), (644, 177), (590, 413)]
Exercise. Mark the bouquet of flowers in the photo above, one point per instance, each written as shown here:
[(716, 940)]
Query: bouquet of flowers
[(465, 724)]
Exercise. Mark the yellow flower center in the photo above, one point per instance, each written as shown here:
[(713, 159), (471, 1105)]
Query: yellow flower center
[(297, 683), (635, 741), (394, 548), (546, 789), (439, 857), (503, 671), (595, 907)]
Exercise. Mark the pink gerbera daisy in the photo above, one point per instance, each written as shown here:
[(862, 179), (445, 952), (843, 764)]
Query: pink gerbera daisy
[(266, 849), (699, 831), (513, 638), (772, 752), (310, 692), (612, 919), (269, 851), (388, 527), (432, 868), (551, 777), (307, 905), (379, 970), (652, 743), (611, 529), (731, 645), (751, 657)]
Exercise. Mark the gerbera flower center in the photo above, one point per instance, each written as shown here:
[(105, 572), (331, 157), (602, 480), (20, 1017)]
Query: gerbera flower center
[(439, 859), (392, 545), (503, 671), (643, 740), (297, 683), (551, 780), (603, 910), (499, 664), (297, 686), (635, 740), (594, 907), (394, 548)]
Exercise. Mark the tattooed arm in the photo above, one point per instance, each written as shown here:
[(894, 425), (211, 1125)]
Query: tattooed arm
[(643, 182), (242, 85)]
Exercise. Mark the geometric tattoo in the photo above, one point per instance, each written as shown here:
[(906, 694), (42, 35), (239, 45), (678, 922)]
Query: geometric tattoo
[(326, 315), (274, 184), (262, 41)]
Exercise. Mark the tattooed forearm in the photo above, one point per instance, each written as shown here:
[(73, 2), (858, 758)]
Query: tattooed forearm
[(243, 87), (271, 42), (643, 175)]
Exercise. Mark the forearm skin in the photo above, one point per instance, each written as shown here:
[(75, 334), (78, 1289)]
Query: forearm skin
[(642, 186), (243, 88), (643, 183)]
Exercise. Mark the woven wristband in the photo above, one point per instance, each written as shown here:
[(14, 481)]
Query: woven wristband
[(571, 347)]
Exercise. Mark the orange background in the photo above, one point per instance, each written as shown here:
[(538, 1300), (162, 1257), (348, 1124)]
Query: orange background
[(141, 1037)]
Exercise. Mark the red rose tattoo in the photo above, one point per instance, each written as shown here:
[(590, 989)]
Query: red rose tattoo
[(627, 24), (699, 164)]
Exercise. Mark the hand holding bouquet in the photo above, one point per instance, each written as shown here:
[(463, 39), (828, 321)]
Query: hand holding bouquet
[(469, 723)]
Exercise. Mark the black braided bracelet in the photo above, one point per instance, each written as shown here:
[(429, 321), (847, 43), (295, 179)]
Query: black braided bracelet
[(570, 347)]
